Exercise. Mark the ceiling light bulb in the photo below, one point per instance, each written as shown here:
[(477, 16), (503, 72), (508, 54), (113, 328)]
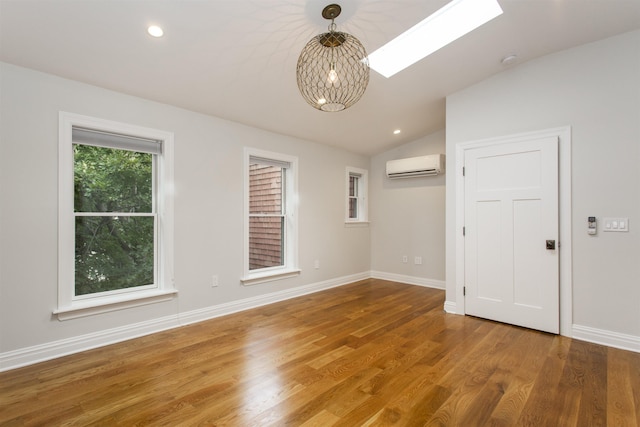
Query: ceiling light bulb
[(397, 131), (322, 101), (155, 31), (333, 76)]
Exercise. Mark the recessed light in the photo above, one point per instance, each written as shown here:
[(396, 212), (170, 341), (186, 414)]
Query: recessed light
[(447, 24), (397, 131), (155, 31), (509, 60)]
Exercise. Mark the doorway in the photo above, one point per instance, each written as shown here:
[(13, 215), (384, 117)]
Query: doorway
[(486, 259)]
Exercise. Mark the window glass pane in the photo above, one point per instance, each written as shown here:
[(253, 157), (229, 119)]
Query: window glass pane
[(265, 189), (266, 242), (353, 207), (353, 186), (111, 180), (113, 252)]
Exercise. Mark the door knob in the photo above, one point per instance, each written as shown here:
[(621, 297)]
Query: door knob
[(551, 245)]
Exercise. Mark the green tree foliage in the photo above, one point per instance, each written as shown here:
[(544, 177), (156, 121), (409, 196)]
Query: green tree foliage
[(113, 249)]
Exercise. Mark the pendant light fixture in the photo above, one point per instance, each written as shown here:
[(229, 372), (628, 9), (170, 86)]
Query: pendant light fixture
[(333, 68)]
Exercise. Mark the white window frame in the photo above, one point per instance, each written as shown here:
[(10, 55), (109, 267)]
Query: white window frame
[(362, 191), (71, 306), (290, 267)]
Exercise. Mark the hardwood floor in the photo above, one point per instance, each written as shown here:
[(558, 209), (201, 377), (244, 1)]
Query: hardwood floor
[(372, 353)]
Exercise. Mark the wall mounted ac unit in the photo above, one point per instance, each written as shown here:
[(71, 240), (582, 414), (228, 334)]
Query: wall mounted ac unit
[(416, 166)]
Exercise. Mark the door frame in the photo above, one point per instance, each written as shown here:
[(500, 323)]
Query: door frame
[(564, 207)]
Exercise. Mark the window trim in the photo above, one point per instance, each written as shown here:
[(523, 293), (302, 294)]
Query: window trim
[(290, 267), (363, 192), (70, 306)]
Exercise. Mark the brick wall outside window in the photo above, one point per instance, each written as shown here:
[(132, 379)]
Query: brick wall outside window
[(265, 232)]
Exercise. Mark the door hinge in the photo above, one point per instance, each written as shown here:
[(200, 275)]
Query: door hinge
[(464, 291), (464, 231), (463, 171)]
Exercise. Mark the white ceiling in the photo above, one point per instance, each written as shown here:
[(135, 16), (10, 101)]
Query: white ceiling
[(236, 59)]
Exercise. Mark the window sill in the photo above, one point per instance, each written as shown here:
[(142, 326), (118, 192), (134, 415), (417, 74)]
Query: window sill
[(105, 305), (349, 224), (269, 276)]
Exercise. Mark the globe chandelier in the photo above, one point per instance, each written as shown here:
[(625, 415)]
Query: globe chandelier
[(333, 68)]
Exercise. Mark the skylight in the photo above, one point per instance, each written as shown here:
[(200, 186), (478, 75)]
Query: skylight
[(449, 23)]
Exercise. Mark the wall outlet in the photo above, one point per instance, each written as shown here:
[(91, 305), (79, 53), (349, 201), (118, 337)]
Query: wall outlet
[(214, 281), (405, 259), (417, 260)]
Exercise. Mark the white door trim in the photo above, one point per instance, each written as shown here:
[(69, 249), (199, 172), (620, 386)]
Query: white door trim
[(564, 205)]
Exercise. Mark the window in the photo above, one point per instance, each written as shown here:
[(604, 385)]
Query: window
[(271, 219), (115, 219), (356, 195), (354, 187)]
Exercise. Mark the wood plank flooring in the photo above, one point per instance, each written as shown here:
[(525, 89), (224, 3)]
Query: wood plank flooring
[(372, 353)]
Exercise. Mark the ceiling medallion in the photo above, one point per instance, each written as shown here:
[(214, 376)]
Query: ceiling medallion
[(333, 68)]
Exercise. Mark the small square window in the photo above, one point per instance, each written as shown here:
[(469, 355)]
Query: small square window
[(356, 195)]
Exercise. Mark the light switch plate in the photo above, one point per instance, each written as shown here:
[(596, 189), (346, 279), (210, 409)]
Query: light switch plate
[(616, 224)]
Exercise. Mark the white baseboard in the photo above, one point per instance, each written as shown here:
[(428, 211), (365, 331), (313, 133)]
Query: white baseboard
[(40, 353), (608, 338), (411, 280), (260, 300), (450, 307)]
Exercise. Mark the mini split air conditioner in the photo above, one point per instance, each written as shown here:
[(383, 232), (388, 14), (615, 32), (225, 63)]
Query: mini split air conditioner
[(416, 166)]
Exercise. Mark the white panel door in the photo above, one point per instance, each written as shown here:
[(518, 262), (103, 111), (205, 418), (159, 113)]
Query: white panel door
[(511, 211)]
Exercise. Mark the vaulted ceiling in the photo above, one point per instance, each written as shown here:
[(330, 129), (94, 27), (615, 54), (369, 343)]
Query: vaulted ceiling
[(236, 59)]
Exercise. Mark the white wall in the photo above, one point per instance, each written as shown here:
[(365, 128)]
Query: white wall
[(407, 218), (595, 89), (208, 215)]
